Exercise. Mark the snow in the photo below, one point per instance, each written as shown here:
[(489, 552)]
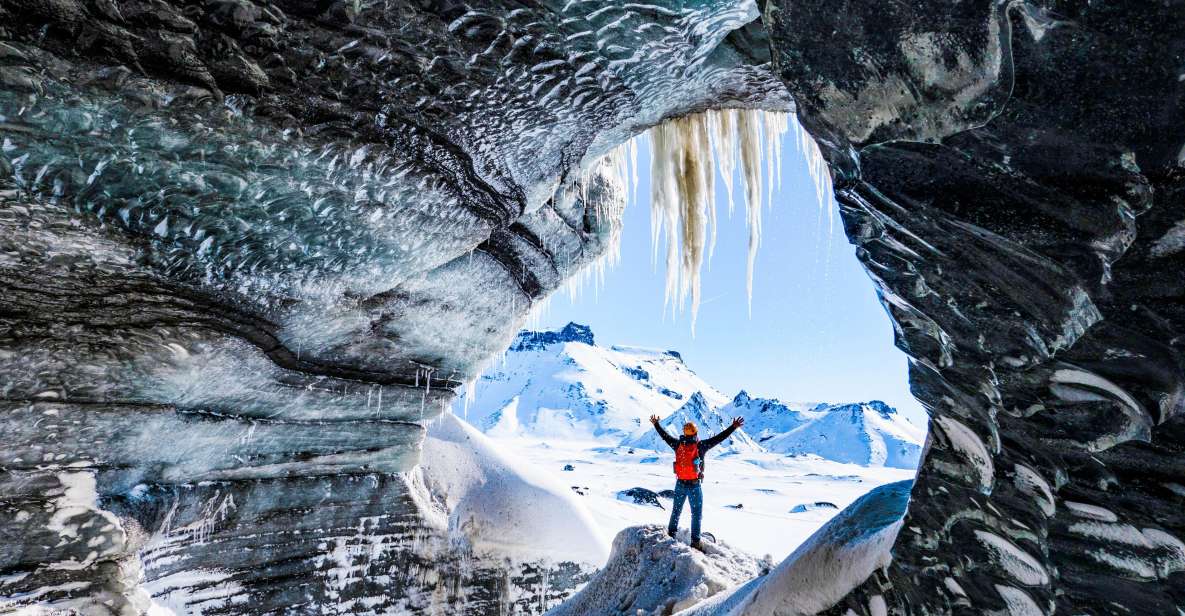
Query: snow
[(1022, 566), (967, 442), (649, 573), (503, 506), (707, 420), (1093, 512), (1030, 482), (768, 485), (1018, 601)]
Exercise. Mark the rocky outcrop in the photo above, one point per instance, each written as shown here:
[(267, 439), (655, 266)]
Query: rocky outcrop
[(528, 340), (652, 574), (1010, 175)]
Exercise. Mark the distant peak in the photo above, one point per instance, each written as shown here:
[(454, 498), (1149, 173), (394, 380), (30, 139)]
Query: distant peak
[(529, 340), (742, 397)]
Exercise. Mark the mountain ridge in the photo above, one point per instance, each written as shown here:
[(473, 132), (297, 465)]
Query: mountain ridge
[(559, 383)]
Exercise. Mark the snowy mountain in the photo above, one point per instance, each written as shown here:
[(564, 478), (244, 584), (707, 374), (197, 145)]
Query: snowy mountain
[(560, 383), (868, 433), (707, 419)]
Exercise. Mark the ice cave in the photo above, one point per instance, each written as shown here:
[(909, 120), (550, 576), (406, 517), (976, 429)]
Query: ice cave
[(252, 250)]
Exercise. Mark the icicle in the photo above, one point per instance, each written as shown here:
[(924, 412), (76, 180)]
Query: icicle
[(724, 147), (816, 165), (685, 153), (774, 124), (681, 192), (750, 159)]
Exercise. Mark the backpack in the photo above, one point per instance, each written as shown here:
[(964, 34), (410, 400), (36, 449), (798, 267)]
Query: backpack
[(687, 466)]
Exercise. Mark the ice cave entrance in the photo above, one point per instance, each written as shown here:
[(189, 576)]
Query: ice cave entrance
[(731, 292)]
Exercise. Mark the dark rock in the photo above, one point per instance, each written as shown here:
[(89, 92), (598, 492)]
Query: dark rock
[(636, 372), (572, 332), (804, 507), (569, 467), (1012, 182), (639, 496), (670, 393)]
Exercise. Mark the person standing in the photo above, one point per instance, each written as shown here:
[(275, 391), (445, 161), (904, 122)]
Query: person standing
[(689, 472)]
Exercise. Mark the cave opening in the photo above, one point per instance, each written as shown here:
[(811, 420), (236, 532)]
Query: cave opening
[(694, 315)]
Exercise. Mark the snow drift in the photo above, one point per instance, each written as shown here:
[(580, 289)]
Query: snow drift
[(650, 574), (502, 506)]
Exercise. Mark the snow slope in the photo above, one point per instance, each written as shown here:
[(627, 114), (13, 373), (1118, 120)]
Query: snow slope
[(650, 574), (560, 384), (503, 506)]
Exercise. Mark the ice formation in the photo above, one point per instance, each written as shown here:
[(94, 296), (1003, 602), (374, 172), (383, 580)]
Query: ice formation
[(318, 201), (840, 555), (687, 152)]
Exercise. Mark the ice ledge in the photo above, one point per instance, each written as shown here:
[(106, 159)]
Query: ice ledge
[(827, 566)]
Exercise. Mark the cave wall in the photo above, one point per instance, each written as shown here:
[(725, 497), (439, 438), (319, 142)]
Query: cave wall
[(249, 248), (1011, 176)]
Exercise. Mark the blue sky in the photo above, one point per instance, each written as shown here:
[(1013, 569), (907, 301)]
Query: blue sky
[(817, 332)]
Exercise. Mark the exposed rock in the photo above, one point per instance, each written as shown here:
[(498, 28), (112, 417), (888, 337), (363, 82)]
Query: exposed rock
[(640, 496), (805, 507), (533, 340), (248, 249), (651, 574), (1017, 252)]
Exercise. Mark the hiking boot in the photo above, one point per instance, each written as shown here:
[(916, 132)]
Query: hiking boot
[(697, 545)]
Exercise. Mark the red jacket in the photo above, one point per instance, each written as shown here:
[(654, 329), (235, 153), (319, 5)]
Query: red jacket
[(704, 445)]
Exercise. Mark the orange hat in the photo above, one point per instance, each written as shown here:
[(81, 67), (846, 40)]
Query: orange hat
[(690, 427)]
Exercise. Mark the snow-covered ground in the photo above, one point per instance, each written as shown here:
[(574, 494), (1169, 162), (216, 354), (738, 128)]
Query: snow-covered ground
[(766, 485)]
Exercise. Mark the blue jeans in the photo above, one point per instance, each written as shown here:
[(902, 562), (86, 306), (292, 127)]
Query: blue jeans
[(687, 490)]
